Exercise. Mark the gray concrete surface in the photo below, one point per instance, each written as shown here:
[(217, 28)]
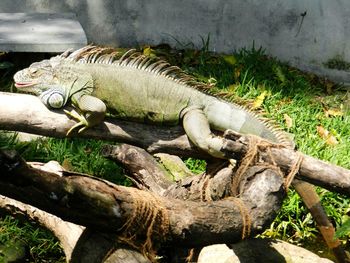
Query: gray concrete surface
[(304, 33), (39, 32)]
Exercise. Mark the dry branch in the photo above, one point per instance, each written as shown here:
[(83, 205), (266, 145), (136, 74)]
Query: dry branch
[(79, 244), (26, 113), (110, 207), (205, 187), (312, 170), (22, 112)]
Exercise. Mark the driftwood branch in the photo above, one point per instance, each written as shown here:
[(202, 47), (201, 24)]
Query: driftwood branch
[(312, 170), (94, 245), (15, 114), (22, 112), (110, 207), (79, 244)]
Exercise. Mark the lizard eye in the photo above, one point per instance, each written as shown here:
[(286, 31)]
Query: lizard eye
[(33, 70)]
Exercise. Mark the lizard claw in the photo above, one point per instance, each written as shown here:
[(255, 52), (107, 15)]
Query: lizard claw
[(233, 162), (79, 124), (82, 128), (81, 121)]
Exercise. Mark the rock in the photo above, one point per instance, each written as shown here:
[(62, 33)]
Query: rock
[(258, 250), (219, 253)]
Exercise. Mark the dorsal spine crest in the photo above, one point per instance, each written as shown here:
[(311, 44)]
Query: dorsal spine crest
[(102, 55)]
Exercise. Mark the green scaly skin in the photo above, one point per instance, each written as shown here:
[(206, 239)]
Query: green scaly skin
[(140, 89), (135, 87)]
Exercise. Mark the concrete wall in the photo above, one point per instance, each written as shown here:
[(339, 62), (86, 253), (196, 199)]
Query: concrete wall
[(277, 25)]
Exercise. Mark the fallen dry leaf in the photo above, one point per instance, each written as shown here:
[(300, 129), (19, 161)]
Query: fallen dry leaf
[(148, 51), (259, 100), (327, 136), (331, 140), (322, 132), (333, 112), (288, 120)]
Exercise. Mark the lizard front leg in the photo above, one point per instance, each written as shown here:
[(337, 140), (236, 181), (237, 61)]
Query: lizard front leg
[(90, 112), (197, 128)]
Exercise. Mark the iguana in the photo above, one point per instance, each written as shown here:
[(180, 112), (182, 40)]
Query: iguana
[(137, 88), (142, 89)]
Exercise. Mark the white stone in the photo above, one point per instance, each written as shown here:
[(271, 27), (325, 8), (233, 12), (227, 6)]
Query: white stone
[(258, 250), (218, 253)]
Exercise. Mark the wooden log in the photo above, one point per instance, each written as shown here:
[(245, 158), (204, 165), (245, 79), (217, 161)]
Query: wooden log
[(204, 187), (312, 170), (16, 115), (79, 244), (110, 207), (327, 230), (215, 186)]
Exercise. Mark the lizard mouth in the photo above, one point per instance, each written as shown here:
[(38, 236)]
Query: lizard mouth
[(24, 84)]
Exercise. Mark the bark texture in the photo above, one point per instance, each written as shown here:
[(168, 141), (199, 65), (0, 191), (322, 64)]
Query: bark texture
[(110, 207), (39, 120)]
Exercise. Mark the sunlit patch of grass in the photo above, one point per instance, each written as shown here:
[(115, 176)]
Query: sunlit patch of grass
[(195, 165)]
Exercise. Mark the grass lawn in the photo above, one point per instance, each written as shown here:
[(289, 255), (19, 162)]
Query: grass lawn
[(316, 112)]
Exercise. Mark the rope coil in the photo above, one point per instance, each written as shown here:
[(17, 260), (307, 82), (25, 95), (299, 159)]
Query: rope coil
[(255, 145), (148, 214)]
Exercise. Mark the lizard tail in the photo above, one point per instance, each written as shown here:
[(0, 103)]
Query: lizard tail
[(242, 120)]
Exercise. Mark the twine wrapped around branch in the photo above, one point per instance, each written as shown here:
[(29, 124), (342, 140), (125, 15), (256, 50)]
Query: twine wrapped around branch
[(148, 213), (255, 145)]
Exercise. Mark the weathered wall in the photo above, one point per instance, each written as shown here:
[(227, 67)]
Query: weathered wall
[(305, 41)]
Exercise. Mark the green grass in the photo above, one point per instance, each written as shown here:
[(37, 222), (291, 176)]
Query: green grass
[(243, 76)]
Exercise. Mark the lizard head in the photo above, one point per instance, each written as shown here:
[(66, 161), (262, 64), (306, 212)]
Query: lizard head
[(42, 80), (38, 77), (52, 80)]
